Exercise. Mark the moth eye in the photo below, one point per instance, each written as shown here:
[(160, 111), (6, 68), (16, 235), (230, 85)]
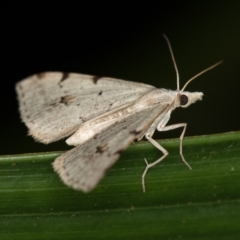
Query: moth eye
[(183, 100)]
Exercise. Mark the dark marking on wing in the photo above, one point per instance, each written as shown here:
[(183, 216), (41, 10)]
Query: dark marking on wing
[(109, 106), (65, 76), (20, 86), (101, 149), (119, 151), (41, 75), (82, 119), (66, 99), (95, 79), (135, 132), (54, 104), (96, 136), (100, 93)]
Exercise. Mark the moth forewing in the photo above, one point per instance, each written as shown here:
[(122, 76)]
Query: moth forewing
[(53, 104)]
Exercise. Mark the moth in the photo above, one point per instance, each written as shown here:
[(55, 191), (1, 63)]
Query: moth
[(102, 116)]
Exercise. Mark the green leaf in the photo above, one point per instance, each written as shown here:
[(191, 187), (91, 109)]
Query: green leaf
[(178, 204)]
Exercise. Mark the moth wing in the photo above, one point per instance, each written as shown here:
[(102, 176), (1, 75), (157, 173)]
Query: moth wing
[(54, 104), (82, 167)]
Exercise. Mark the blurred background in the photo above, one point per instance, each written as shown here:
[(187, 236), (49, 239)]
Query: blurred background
[(123, 39)]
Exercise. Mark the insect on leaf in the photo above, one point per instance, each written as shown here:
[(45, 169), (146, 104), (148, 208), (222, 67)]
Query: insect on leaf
[(101, 116)]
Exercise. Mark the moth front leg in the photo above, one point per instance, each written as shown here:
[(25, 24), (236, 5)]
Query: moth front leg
[(174, 126)]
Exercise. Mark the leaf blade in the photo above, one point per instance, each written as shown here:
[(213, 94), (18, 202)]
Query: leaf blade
[(200, 204)]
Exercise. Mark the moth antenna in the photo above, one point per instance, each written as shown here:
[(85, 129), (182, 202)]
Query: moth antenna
[(197, 75), (173, 59)]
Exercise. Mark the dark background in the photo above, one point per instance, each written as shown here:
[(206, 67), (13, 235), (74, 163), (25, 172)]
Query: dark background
[(123, 39)]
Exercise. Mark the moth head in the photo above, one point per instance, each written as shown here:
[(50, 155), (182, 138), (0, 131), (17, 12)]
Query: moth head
[(194, 96), (187, 98), (184, 99)]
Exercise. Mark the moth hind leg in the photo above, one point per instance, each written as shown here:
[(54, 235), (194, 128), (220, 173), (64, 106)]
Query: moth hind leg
[(148, 135), (149, 165)]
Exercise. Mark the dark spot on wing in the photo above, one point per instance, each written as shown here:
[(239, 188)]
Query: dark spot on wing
[(20, 86), (135, 132), (41, 75), (96, 136), (95, 79), (64, 76), (54, 104), (109, 106), (100, 93), (119, 151), (102, 148), (66, 99), (82, 119)]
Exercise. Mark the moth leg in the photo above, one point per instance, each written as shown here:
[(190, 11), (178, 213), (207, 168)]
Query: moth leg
[(149, 165), (163, 150), (174, 126)]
